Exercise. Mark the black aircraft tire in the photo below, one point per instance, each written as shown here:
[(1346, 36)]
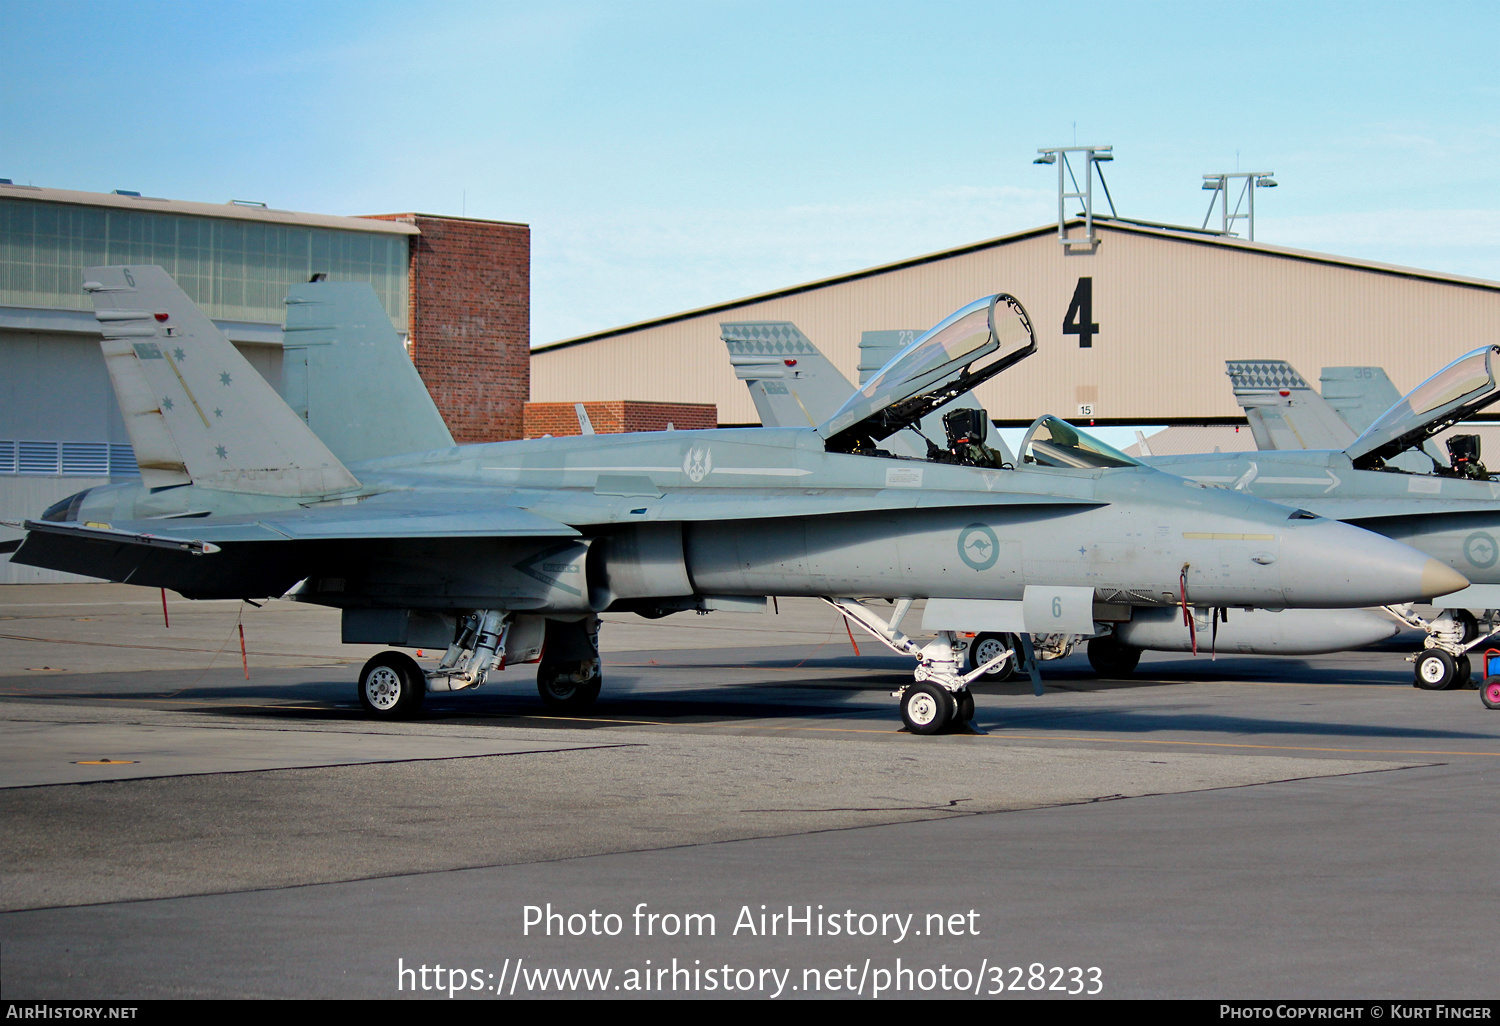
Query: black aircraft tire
[(964, 712), (565, 697), (1463, 673), (1110, 659), (392, 686), (985, 647), (1436, 670), (927, 708)]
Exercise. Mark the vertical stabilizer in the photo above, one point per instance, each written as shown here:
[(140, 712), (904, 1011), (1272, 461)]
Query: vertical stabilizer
[(790, 381), (877, 347), (195, 409), (347, 374), (1284, 411), (1359, 394)]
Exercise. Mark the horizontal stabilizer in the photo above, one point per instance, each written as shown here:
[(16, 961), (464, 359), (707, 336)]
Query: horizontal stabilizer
[(195, 409), (109, 534)]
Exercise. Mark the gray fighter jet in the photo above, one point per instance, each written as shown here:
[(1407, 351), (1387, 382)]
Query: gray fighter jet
[(1447, 508), (507, 552), (1389, 480), (792, 382)]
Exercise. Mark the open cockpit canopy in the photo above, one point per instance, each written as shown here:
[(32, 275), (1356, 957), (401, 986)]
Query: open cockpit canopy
[(1459, 390), (936, 368), (1053, 442)]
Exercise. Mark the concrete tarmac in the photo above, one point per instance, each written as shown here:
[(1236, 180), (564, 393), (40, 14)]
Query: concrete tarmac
[(1232, 828)]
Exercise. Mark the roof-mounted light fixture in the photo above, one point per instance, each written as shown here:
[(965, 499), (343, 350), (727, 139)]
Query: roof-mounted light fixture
[(1219, 185), (1092, 156)]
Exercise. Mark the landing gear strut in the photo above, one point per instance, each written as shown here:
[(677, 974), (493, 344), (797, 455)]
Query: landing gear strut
[(392, 685), (1451, 636), (940, 695)]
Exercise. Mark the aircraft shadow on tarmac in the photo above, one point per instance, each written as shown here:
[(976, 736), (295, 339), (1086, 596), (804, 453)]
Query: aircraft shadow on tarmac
[(661, 690), (727, 705), (836, 702)]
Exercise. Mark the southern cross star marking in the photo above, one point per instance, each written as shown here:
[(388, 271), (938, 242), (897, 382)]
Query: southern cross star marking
[(179, 354), (167, 403), (224, 378), (1082, 551), (222, 452), (219, 414)]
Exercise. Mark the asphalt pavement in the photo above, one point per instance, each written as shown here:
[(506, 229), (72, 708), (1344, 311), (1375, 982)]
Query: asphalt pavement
[(1227, 828)]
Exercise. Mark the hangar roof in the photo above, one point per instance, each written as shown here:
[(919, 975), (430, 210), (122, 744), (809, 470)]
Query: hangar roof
[(1176, 233), (231, 210), (1135, 329)]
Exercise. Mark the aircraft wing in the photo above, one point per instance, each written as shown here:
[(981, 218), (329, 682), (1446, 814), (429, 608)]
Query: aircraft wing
[(1354, 510), (263, 554), (326, 523)]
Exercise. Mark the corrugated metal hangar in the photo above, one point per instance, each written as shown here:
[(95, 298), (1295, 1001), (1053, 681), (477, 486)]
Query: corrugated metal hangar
[(1134, 329)]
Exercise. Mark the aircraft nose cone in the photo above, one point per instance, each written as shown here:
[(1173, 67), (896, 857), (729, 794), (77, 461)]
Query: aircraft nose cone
[(1441, 579), (1327, 563)]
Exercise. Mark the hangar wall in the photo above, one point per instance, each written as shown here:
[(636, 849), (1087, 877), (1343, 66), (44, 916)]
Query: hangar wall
[(1171, 306)]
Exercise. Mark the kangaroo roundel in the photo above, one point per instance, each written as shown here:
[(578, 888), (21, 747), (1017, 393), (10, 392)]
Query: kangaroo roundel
[(978, 547)]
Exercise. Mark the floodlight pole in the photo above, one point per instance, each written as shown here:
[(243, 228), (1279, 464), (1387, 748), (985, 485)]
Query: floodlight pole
[(1219, 186), (1093, 156)]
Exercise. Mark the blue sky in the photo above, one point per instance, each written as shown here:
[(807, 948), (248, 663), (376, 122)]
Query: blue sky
[(670, 155)]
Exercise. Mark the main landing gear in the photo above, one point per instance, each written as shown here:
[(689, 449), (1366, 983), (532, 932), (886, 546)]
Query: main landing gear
[(1112, 660), (939, 699), (1451, 635), (569, 677), (984, 650), (392, 686)]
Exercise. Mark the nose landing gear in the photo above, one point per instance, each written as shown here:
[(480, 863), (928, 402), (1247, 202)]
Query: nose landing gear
[(940, 697)]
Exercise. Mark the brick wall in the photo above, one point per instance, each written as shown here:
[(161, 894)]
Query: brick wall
[(471, 321), (618, 415)]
